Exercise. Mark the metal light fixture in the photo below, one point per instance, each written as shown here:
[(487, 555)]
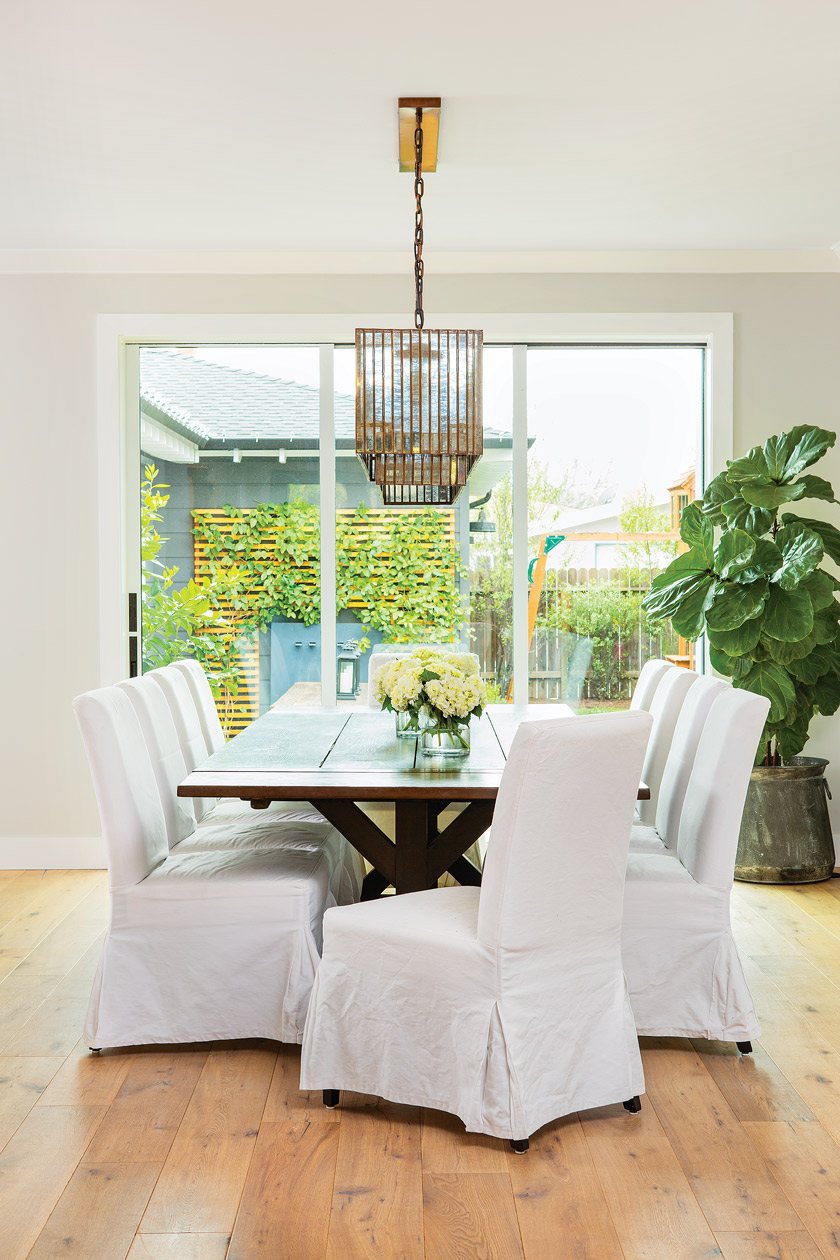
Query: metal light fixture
[(419, 428)]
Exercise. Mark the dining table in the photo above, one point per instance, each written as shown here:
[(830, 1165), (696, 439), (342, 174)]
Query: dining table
[(339, 760)]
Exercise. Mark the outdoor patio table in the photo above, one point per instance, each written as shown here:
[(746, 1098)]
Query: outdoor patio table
[(336, 759)]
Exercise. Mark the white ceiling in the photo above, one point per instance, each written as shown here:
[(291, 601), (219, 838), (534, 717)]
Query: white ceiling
[(652, 125)]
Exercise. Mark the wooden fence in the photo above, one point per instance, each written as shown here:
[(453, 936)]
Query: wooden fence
[(590, 641)]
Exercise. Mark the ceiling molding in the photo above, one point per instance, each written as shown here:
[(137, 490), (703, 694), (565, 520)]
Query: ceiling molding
[(176, 262)]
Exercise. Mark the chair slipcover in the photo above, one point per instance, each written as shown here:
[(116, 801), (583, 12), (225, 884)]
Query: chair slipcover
[(682, 965), (651, 676), (665, 710), (201, 946), (678, 767), (208, 714), (304, 829), (507, 1004), (185, 714), (178, 696)]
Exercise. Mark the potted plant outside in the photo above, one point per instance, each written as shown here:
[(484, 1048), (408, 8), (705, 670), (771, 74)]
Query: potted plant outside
[(769, 610)]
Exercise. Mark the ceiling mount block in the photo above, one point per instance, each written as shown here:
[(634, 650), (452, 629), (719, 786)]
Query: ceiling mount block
[(407, 107)]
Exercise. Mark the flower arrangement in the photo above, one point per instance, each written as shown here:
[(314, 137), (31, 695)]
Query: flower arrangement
[(438, 692)]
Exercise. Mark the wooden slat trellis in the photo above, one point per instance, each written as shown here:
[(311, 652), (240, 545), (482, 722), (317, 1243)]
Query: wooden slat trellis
[(376, 524)]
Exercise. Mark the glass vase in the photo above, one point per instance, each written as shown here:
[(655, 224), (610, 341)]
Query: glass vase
[(406, 724), (446, 741)]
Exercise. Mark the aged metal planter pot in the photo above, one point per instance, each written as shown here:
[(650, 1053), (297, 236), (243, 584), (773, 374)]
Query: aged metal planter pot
[(786, 832)]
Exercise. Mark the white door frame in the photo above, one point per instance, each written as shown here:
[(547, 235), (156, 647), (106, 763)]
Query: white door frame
[(117, 453)]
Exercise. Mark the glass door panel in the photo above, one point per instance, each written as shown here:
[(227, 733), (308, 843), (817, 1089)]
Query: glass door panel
[(230, 505), (612, 443)]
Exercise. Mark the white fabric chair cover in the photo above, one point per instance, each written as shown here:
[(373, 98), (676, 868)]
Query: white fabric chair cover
[(682, 965), (651, 676), (665, 710), (303, 829), (164, 749), (201, 946), (678, 767), (184, 708), (208, 714), (178, 696), (507, 1004)]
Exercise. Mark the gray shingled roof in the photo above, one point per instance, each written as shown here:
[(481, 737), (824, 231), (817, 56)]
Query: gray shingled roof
[(218, 406)]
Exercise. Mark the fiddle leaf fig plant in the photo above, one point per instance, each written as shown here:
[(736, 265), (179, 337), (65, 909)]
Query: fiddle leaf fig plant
[(752, 581)]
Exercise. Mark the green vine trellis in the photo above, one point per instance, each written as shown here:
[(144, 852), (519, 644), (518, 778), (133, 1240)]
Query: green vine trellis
[(402, 579)]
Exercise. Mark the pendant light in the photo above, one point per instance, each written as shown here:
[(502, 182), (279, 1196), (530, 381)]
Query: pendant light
[(419, 428)]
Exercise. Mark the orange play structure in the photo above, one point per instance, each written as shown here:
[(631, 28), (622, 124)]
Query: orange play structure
[(681, 492)]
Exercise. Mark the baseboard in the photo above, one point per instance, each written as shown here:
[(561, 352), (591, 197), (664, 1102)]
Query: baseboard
[(38, 853)]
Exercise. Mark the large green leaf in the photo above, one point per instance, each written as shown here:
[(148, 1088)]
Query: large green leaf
[(734, 604), (826, 693), (767, 494), (742, 515), (734, 552), (792, 738), (732, 666), (748, 466), (811, 667), (689, 619), (787, 454), (826, 627), (668, 598), (829, 535), (821, 587), (817, 488), (788, 615), (698, 533), (737, 642), (719, 491), (766, 678), (766, 559), (784, 653), (802, 551)]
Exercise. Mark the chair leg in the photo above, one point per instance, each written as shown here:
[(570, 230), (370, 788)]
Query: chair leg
[(633, 1104), (519, 1145), (331, 1097), (744, 1046)]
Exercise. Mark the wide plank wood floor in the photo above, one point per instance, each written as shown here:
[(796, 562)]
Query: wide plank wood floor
[(210, 1152)]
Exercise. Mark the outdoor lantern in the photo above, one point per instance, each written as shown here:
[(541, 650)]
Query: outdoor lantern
[(347, 686), (419, 427)]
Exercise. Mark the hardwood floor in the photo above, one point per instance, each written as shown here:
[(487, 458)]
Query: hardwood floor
[(211, 1152)]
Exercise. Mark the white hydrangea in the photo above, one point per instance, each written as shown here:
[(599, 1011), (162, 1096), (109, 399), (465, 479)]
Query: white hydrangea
[(455, 693)]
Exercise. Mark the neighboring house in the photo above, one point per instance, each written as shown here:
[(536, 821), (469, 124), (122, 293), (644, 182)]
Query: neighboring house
[(220, 435), (223, 435)]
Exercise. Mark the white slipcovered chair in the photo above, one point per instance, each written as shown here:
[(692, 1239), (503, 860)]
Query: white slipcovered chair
[(200, 946), (650, 677), (678, 766), (208, 714), (665, 710), (507, 1004), (286, 831), (682, 964), (185, 709)]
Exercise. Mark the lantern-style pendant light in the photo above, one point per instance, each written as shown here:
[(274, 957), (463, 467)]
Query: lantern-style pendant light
[(419, 428)]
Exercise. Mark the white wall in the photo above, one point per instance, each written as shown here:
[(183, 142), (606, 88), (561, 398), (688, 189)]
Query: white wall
[(787, 371)]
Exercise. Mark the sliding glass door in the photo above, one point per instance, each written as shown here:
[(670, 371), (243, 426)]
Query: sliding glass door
[(269, 556)]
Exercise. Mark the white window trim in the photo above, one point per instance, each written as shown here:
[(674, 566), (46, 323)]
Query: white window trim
[(117, 454)]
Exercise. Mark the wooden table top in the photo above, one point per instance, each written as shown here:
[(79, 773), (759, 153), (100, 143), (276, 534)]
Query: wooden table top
[(318, 753)]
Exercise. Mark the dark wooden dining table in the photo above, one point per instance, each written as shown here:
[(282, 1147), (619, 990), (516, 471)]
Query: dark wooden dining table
[(339, 759)]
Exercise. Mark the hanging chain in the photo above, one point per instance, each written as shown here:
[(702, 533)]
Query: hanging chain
[(418, 219)]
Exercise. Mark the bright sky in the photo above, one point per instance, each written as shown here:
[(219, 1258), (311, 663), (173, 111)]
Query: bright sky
[(629, 416)]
